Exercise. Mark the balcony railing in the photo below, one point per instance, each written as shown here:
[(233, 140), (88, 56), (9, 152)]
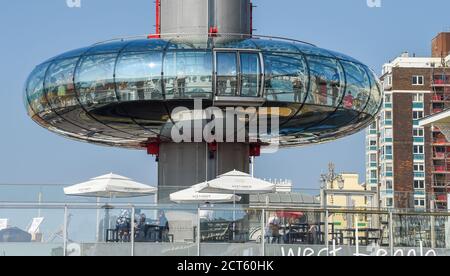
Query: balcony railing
[(440, 141)]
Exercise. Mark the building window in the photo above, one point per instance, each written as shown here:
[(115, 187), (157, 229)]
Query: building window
[(419, 203), (419, 184), (373, 158), (418, 149), (419, 167), (418, 98), (389, 80), (418, 132), (418, 80), (389, 202), (388, 115), (388, 133), (373, 174), (373, 143), (389, 185), (388, 98), (417, 115), (389, 169), (388, 150)]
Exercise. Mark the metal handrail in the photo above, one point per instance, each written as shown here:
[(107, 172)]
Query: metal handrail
[(179, 35)]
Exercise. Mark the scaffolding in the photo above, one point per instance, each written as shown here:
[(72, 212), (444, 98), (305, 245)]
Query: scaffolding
[(440, 172)]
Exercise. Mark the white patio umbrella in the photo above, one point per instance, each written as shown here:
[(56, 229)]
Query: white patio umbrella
[(191, 196), (109, 186), (236, 182)]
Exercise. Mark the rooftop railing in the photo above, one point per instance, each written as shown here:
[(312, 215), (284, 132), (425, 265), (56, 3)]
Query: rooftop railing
[(149, 230)]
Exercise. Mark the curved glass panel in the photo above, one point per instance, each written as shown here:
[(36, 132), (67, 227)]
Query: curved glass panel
[(250, 74), (35, 90), (313, 50), (227, 73), (236, 44), (108, 48), (94, 79), (276, 46), (59, 83), (72, 54), (358, 86), (376, 94), (327, 81), (286, 77), (146, 45), (194, 44), (188, 74), (343, 57), (138, 76)]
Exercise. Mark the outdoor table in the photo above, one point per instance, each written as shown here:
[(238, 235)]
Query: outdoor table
[(366, 238)]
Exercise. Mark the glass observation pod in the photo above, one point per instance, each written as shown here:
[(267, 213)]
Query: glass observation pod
[(122, 93)]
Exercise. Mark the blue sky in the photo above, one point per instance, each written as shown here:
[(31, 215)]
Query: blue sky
[(32, 31)]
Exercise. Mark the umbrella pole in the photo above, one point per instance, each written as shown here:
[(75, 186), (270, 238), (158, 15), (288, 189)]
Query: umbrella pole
[(234, 215), (98, 220)]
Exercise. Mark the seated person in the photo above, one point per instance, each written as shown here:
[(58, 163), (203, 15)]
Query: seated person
[(123, 226), (140, 228), (273, 229)]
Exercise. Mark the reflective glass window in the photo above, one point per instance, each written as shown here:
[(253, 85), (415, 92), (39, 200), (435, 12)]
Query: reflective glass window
[(193, 44), (236, 44), (313, 50), (108, 48), (72, 54), (343, 56), (227, 73), (35, 89), (188, 74), (146, 45), (59, 83), (250, 74), (138, 76), (286, 77), (375, 94), (327, 81), (358, 86), (94, 79), (276, 46)]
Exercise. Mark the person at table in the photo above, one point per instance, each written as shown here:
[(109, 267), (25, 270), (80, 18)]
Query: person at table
[(123, 226), (163, 225), (140, 227), (273, 228)]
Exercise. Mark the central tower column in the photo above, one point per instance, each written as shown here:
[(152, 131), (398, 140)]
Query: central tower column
[(182, 165), (204, 17)]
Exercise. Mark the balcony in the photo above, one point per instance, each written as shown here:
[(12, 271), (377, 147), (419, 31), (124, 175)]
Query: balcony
[(441, 198), (437, 110), (441, 80), (439, 155), (440, 141), (441, 169)]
